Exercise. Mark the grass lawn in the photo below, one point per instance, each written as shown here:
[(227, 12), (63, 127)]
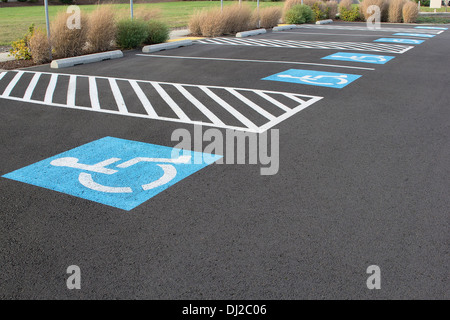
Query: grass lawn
[(428, 9), (14, 21)]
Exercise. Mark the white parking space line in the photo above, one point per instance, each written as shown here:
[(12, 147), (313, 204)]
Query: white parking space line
[(332, 34), (331, 45), (93, 93), (12, 84), (51, 89), (383, 29), (141, 95), (260, 61), (31, 86), (224, 107), (175, 107), (211, 116), (117, 96), (71, 90)]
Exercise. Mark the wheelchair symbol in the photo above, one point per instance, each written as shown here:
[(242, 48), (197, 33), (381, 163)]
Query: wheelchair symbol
[(86, 178)]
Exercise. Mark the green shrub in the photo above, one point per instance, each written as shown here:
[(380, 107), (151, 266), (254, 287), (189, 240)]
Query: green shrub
[(20, 48), (158, 32), (66, 1), (299, 14), (131, 33), (320, 10), (351, 14), (4, 0), (22, 0)]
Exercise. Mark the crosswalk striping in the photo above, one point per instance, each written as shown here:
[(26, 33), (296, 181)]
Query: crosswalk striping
[(359, 46), (223, 107), (383, 29)]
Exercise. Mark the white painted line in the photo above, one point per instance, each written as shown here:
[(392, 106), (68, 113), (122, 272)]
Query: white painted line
[(31, 86), (333, 34), (71, 89), (141, 95), (208, 95), (211, 116), (12, 84), (244, 120), (262, 61), (51, 88), (251, 104), (288, 114), (118, 96), (2, 74), (275, 102), (93, 93), (170, 102)]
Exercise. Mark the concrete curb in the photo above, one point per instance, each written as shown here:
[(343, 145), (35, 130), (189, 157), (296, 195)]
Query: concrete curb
[(89, 58), (287, 27), (244, 34), (324, 21), (166, 46)]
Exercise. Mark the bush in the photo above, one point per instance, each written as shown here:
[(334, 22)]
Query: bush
[(158, 32), (382, 4), (195, 22), (66, 1), (410, 12), (22, 0), (20, 48), (236, 18), (395, 12), (348, 12), (269, 17), (320, 10), (131, 33), (102, 29), (214, 22), (67, 42), (332, 9), (299, 14), (40, 47), (289, 4)]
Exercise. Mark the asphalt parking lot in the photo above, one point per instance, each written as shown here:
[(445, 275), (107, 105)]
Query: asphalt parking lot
[(362, 180)]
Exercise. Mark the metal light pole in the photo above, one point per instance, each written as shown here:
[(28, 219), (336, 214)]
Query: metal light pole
[(131, 9), (48, 27)]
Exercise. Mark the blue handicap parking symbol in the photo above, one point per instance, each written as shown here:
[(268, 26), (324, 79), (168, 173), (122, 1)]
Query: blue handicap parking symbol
[(432, 28), (359, 57), (116, 172), (314, 78), (400, 40), (414, 35)]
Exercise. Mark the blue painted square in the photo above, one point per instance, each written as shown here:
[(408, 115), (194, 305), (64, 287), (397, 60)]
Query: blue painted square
[(314, 78), (359, 57), (400, 40), (116, 172), (432, 28), (423, 35)]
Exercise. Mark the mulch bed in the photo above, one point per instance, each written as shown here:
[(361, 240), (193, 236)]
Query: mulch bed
[(16, 64)]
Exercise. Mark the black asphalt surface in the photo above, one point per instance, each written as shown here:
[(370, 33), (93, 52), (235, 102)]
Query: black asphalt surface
[(363, 180)]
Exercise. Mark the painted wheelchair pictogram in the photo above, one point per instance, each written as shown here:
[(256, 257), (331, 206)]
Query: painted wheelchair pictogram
[(85, 178)]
